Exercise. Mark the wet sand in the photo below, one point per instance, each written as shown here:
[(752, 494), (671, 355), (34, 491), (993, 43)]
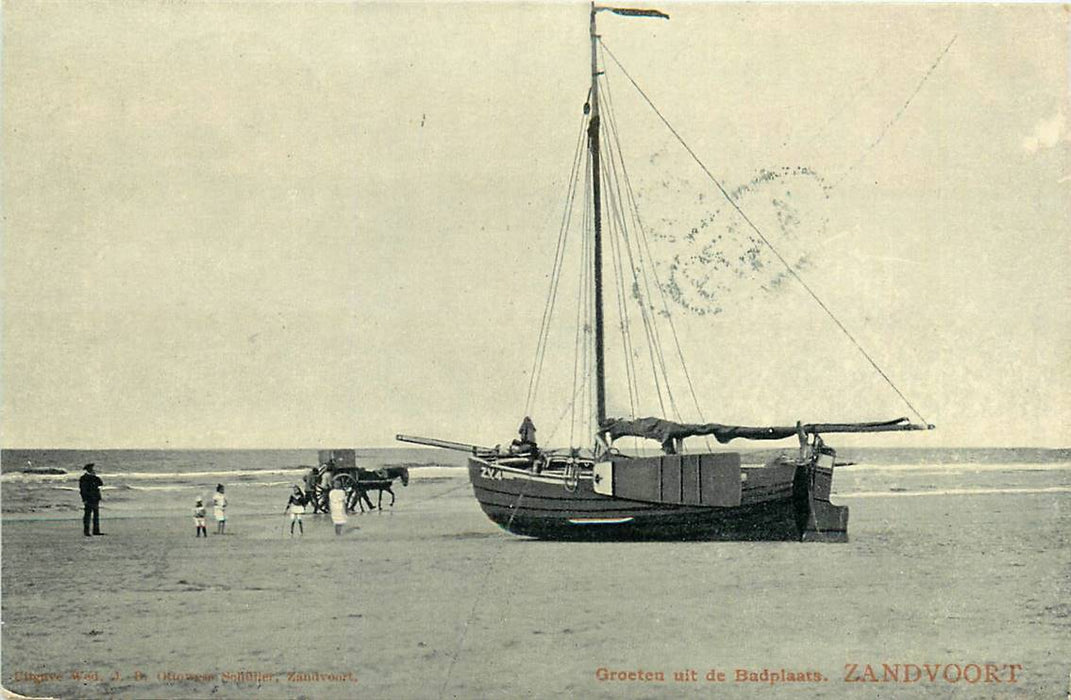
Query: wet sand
[(431, 600)]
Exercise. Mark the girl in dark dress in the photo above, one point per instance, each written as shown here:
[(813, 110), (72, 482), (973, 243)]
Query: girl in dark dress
[(296, 507)]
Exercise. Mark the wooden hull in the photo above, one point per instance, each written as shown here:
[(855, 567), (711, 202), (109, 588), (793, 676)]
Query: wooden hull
[(782, 501)]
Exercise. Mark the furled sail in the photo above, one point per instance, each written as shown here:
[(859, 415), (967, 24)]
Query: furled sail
[(668, 432)]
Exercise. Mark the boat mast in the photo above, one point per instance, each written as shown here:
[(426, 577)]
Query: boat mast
[(596, 194), (593, 147)]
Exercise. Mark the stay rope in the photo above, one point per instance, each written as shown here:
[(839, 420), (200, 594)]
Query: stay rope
[(652, 345), (763, 237)]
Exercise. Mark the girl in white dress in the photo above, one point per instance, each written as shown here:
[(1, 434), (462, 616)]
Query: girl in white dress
[(336, 497), (219, 509)]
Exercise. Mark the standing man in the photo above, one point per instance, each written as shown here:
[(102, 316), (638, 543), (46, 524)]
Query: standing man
[(89, 486), (312, 479)]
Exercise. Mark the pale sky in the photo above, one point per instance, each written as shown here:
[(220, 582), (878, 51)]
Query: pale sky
[(298, 225)]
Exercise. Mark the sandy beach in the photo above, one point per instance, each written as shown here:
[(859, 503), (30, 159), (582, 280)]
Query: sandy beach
[(430, 600)]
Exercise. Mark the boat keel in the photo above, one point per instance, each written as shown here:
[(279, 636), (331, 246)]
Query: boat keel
[(825, 523)]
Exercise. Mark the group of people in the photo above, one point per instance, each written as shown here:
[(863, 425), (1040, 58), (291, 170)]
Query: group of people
[(295, 507), (318, 480), (322, 480), (89, 485), (219, 511)]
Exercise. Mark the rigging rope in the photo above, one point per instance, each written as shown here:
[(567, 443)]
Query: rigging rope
[(548, 439), (626, 334), (648, 323), (762, 236), (555, 277), (578, 346), (644, 293), (588, 305), (635, 210)]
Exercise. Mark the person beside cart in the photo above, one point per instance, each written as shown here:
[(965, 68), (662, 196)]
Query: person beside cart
[(336, 498)]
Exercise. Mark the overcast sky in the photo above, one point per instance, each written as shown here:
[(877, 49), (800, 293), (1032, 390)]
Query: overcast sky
[(296, 225)]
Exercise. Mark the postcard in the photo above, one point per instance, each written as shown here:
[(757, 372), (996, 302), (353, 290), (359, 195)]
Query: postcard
[(479, 350)]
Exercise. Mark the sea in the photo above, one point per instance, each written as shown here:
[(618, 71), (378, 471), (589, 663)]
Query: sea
[(143, 482), (45, 481)]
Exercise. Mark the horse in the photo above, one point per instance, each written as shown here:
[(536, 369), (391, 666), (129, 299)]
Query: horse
[(378, 480)]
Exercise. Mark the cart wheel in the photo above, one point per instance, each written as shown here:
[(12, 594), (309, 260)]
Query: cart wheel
[(347, 483)]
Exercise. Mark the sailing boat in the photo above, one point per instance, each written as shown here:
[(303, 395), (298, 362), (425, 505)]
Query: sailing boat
[(604, 494)]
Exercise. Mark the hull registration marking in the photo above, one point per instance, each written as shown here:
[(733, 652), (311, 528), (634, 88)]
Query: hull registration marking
[(491, 473)]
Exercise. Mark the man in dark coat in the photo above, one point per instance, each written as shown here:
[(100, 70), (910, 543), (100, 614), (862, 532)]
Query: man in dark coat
[(526, 442), (89, 486)]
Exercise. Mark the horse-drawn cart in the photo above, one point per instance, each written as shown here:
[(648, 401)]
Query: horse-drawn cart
[(338, 469)]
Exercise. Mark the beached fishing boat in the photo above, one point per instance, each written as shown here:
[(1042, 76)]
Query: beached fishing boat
[(601, 493)]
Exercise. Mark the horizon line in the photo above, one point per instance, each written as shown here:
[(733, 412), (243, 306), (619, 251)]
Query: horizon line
[(429, 447)]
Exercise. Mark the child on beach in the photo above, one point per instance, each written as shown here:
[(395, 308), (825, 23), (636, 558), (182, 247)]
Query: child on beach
[(219, 502), (199, 518), (336, 497), (296, 507)]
